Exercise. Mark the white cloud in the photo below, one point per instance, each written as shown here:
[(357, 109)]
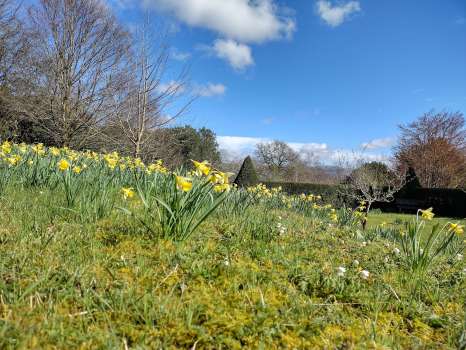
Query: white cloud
[(237, 55), (180, 56), (210, 90), (378, 143), (172, 85), (243, 20), (238, 147), (268, 120), (336, 15)]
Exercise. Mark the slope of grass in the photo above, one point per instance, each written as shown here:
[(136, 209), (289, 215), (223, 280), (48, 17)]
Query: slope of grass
[(68, 284)]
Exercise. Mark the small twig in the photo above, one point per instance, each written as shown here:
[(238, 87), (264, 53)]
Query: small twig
[(194, 345)]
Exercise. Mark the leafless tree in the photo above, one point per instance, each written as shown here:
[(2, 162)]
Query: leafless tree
[(277, 156), (435, 147), (78, 58), (14, 50), (13, 41), (147, 100), (371, 182)]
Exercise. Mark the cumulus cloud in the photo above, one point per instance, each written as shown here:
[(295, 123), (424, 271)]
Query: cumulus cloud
[(180, 56), (237, 55), (237, 147), (334, 15), (243, 20), (378, 143), (172, 85), (210, 90)]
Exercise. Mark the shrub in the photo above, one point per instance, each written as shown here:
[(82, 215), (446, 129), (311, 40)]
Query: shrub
[(247, 175), (329, 193)]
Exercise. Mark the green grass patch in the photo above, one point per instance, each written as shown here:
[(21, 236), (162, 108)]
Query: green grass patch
[(106, 284), (376, 219)]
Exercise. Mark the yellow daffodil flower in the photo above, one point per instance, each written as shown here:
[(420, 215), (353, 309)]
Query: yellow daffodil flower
[(54, 151), (184, 184), (427, 214), (456, 228), (222, 188), (202, 168), (63, 165), (6, 147), (77, 169), (127, 192)]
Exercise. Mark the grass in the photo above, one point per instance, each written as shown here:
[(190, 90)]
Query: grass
[(106, 284), (375, 219)]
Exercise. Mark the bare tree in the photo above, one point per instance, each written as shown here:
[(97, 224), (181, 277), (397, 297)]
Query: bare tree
[(277, 156), (435, 147), (15, 46), (372, 182), (78, 58), (146, 100), (13, 43)]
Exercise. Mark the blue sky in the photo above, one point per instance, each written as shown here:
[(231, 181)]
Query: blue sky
[(329, 76)]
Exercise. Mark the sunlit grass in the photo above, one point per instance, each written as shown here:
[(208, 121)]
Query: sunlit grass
[(375, 219), (261, 270)]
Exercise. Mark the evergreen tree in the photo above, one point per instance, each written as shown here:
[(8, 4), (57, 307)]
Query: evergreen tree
[(247, 175)]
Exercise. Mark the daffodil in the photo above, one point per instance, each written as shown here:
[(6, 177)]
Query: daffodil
[(13, 160), (39, 149), (77, 169), (221, 187), (127, 192), (54, 151), (63, 165), (202, 168), (427, 214), (6, 147), (456, 228), (183, 183)]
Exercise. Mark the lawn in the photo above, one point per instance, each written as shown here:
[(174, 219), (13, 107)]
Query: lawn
[(376, 219), (104, 252), (66, 284)]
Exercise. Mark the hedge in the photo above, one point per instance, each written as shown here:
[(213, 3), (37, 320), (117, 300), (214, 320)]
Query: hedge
[(444, 201), (329, 193)]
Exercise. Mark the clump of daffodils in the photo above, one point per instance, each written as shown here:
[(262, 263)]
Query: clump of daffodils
[(218, 179)]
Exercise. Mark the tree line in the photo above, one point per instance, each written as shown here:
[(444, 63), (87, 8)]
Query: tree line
[(433, 146), (72, 75)]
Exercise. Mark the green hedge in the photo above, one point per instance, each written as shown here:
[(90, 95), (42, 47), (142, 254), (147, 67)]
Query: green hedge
[(445, 201), (329, 193)]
